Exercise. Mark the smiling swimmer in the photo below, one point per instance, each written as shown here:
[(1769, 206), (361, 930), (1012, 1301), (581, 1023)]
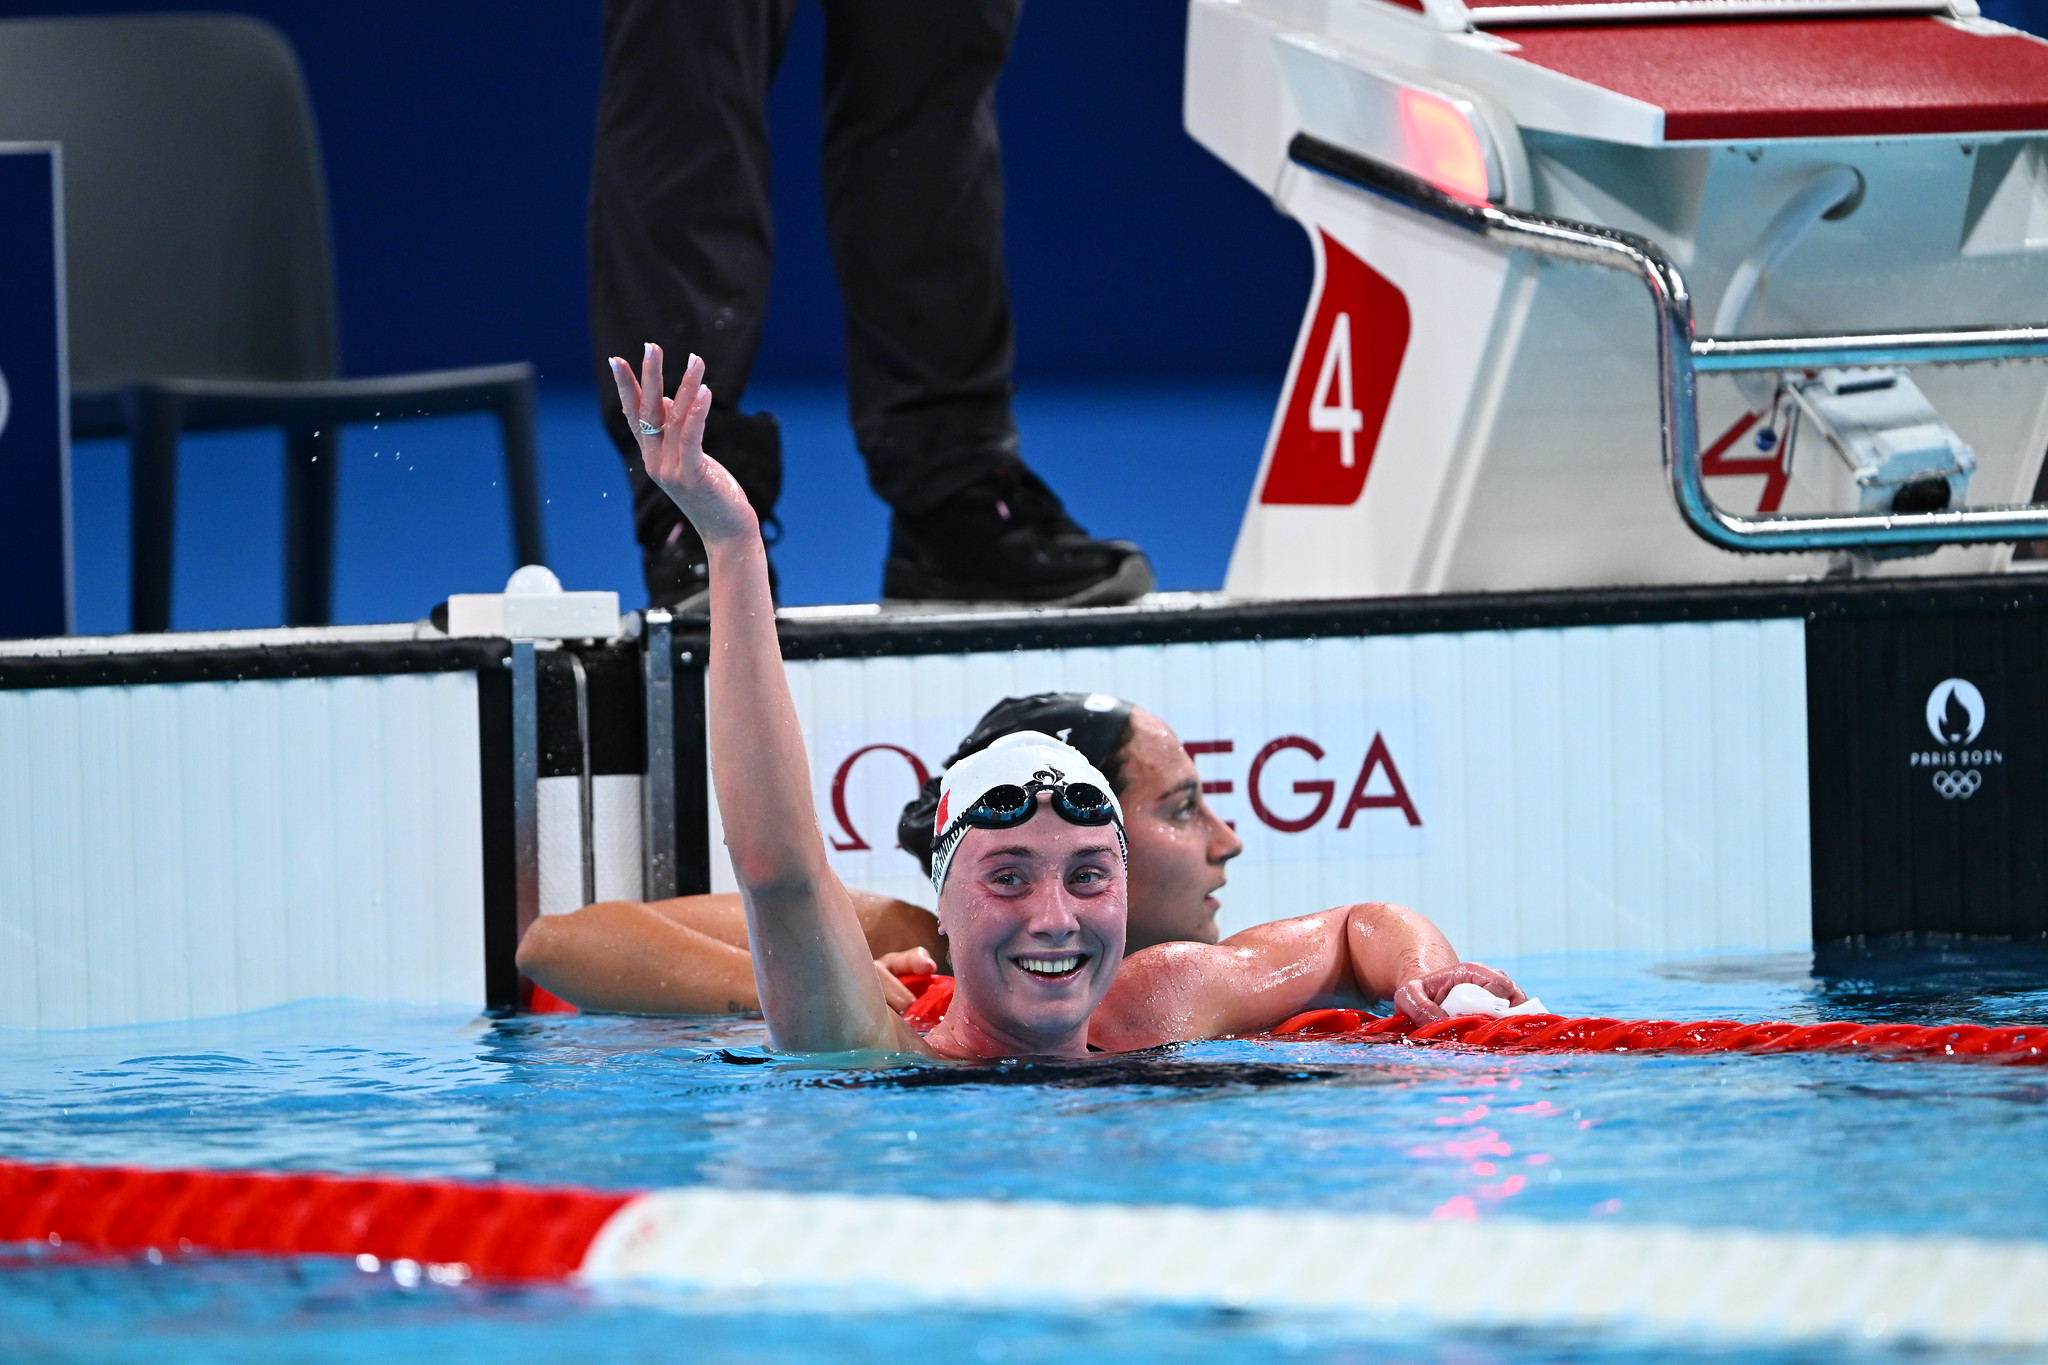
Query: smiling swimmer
[(1028, 859), (688, 954), (1020, 891)]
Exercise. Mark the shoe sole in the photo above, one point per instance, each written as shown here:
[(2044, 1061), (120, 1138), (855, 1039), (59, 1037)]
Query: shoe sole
[(1133, 579), (697, 603)]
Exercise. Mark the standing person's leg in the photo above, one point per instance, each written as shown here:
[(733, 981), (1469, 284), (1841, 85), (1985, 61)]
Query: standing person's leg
[(914, 205), (681, 239)]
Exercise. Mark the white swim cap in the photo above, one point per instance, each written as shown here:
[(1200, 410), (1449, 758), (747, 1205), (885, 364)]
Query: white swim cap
[(1025, 759)]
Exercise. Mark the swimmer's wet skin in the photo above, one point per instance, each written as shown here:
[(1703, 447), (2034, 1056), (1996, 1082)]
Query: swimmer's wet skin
[(816, 982), (1030, 856), (690, 954)]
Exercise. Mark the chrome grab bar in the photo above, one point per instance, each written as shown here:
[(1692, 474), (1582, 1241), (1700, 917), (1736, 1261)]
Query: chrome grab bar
[(1680, 357), (1893, 348)]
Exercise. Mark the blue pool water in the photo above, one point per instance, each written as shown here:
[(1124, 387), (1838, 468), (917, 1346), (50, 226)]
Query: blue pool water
[(1801, 1143)]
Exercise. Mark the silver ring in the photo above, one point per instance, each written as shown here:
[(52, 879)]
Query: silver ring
[(648, 428)]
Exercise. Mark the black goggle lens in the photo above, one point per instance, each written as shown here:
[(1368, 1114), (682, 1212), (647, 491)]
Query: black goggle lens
[(1079, 803), (1001, 807), (1084, 803)]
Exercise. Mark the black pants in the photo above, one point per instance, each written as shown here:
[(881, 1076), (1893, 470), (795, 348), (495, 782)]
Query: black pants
[(681, 239)]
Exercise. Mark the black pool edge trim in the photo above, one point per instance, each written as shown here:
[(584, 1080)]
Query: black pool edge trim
[(500, 927), (253, 663), (1357, 617)]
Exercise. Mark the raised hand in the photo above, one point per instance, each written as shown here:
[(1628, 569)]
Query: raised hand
[(671, 436), (1420, 998)]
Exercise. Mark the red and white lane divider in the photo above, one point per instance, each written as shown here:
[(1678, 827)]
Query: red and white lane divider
[(1557, 1033), (1561, 1033), (1675, 1283), (498, 1231)]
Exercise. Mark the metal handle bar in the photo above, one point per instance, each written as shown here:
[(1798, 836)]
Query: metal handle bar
[(1877, 348), (1680, 357)]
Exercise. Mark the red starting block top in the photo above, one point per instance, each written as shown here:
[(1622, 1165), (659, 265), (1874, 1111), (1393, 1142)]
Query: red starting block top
[(1789, 78)]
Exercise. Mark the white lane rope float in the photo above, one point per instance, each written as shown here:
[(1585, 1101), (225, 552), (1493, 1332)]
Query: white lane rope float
[(1695, 1285), (1689, 1283)]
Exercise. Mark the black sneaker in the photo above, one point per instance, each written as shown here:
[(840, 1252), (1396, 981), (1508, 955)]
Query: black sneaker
[(679, 576), (1007, 538)]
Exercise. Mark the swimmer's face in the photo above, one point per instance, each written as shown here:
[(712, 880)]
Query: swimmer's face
[(1034, 925), (1178, 844)]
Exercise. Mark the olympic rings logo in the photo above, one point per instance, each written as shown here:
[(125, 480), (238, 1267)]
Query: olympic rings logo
[(1953, 785)]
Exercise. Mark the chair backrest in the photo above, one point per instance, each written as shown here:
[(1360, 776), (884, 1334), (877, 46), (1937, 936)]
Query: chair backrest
[(195, 223)]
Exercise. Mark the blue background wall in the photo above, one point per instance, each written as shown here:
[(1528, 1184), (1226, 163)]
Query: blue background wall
[(457, 137), (1156, 299)]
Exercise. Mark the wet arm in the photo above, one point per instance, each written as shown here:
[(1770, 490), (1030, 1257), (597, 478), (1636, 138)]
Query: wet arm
[(1391, 945), (687, 955), (1176, 991), (816, 981), (890, 925), (812, 968), (627, 957), (1255, 979)]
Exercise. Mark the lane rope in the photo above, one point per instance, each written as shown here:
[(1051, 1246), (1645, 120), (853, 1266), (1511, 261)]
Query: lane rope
[(1675, 1283), (1562, 1033), (1557, 1033), (501, 1231)]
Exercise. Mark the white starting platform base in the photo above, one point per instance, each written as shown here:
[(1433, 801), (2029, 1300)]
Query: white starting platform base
[(1466, 413)]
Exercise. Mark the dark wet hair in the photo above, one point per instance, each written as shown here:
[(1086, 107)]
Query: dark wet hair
[(1100, 735)]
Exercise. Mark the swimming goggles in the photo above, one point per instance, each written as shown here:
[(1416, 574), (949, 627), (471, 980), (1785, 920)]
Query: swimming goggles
[(998, 788), (1008, 804)]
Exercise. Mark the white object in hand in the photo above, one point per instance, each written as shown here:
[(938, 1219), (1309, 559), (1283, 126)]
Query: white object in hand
[(1466, 998)]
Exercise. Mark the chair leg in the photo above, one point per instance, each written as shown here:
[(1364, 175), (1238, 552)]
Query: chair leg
[(522, 476), (154, 419), (312, 460)]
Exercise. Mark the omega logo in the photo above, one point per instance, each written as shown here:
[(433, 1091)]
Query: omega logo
[(1377, 761), (853, 843), (1272, 786)]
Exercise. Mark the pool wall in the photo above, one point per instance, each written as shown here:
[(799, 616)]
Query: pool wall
[(178, 849), (1587, 788), (209, 824), (201, 824)]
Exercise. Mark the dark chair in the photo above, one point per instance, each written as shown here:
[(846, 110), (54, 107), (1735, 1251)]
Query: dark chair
[(201, 296)]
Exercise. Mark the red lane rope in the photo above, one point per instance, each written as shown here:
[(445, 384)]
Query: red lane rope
[(522, 1232), (499, 1231), (1556, 1033)]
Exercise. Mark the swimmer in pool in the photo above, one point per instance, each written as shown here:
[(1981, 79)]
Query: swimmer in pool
[(688, 954), (1030, 848)]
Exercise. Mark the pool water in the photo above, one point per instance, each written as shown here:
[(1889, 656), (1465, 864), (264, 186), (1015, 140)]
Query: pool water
[(1812, 1143)]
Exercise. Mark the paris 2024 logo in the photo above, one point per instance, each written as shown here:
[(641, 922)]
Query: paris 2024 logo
[(1955, 717)]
